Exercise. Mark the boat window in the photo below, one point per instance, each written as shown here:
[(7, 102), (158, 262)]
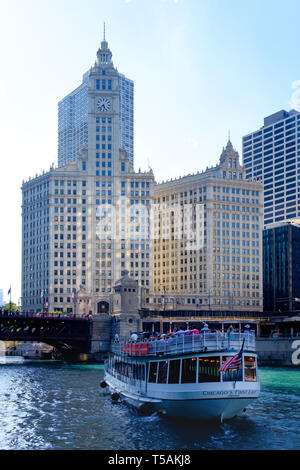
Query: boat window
[(250, 368), (232, 375), (140, 372), (174, 371), (153, 372), (188, 373), (130, 371), (162, 372), (209, 369)]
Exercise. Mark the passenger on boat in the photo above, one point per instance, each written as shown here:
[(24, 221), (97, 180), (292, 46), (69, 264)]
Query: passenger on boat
[(230, 332), (179, 332), (194, 331), (116, 338), (247, 331), (205, 328)]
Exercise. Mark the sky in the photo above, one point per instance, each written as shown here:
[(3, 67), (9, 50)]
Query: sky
[(201, 68)]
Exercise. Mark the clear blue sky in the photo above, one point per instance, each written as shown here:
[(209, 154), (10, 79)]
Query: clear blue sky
[(200, 67)]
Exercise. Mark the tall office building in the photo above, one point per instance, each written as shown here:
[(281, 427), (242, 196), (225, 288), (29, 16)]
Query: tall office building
[(73, 117), (208, 239), (281, 264), (88, 221), (272, 154)]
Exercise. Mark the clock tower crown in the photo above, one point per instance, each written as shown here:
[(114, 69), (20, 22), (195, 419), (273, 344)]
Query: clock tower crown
[(104, 54)]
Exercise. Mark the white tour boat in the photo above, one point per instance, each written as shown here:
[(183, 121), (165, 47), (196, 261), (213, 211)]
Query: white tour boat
[(180, 376)]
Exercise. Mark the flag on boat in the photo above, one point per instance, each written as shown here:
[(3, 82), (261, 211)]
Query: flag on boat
[(234, 362)]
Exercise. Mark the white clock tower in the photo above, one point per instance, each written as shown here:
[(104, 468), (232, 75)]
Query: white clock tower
[(98, 207), (121, 198)]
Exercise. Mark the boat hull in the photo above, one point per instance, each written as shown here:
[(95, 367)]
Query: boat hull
[(201, 408)]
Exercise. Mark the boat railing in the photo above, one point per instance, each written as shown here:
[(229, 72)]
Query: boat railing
[(185, 343)]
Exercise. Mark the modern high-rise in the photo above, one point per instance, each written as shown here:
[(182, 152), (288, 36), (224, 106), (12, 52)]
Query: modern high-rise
[(281, 265), (88, 221), (272, 154), (73, 116), (208, 239)]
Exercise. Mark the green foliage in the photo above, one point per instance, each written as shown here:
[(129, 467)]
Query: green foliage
[(11, 306)]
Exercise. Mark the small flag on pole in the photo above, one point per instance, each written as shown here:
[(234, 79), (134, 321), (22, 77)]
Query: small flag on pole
[(9, 291), (234, 362)]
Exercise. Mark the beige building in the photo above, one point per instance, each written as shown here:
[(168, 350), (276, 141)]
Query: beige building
[(208, 239)]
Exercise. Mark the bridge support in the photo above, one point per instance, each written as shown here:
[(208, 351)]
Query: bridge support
[(101, 338)]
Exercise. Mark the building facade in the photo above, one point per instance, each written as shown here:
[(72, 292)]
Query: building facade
[(272, 154), (87, 221), (73, 112), (281, 262), (208, 239)]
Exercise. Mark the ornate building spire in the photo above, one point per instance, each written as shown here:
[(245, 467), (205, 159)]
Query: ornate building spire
[(229, 152), (104, 43), (104, 54)]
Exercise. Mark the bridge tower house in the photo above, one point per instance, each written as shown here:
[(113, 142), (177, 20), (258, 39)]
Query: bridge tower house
[(125, 307)]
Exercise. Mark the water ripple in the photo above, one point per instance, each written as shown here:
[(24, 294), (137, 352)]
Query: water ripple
[(58, 406)]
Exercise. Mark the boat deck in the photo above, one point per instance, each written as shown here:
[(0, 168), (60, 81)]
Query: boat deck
[(186, 343)]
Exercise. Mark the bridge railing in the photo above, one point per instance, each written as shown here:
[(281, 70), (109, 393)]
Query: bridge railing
[(55, 316), (203, 342)]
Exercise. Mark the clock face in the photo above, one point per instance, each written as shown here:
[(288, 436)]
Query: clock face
[(103, 104)]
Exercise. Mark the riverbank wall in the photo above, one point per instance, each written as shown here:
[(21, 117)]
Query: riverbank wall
[(278, 352)]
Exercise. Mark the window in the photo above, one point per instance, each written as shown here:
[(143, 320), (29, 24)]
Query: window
[(153, 372), (232, 375), (162, 372), (209, 369), (250, 369), (174, 371), (188, 373)]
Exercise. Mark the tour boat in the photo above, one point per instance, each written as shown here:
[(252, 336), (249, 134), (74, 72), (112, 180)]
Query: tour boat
[(210, 375)]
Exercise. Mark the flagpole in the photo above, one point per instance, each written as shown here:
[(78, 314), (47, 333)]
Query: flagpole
[(242, 348), (10, 298)]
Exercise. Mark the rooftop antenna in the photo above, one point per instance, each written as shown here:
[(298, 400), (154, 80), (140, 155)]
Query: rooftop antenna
[(228, 134), (104, 32)]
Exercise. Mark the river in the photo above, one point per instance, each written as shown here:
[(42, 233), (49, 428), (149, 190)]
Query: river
[(53, 405)]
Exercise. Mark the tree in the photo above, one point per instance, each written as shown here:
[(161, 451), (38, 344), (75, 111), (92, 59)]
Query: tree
[(11, 307)]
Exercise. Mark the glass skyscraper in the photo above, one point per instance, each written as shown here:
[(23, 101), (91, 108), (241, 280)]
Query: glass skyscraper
[(272, 154), (73, 119), (281, 266)]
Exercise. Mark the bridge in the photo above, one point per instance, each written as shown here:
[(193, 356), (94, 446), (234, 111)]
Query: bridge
[(72, 336), (88, 338)]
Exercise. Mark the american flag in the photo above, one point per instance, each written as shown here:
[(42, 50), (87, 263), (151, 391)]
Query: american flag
[(234, 362)]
